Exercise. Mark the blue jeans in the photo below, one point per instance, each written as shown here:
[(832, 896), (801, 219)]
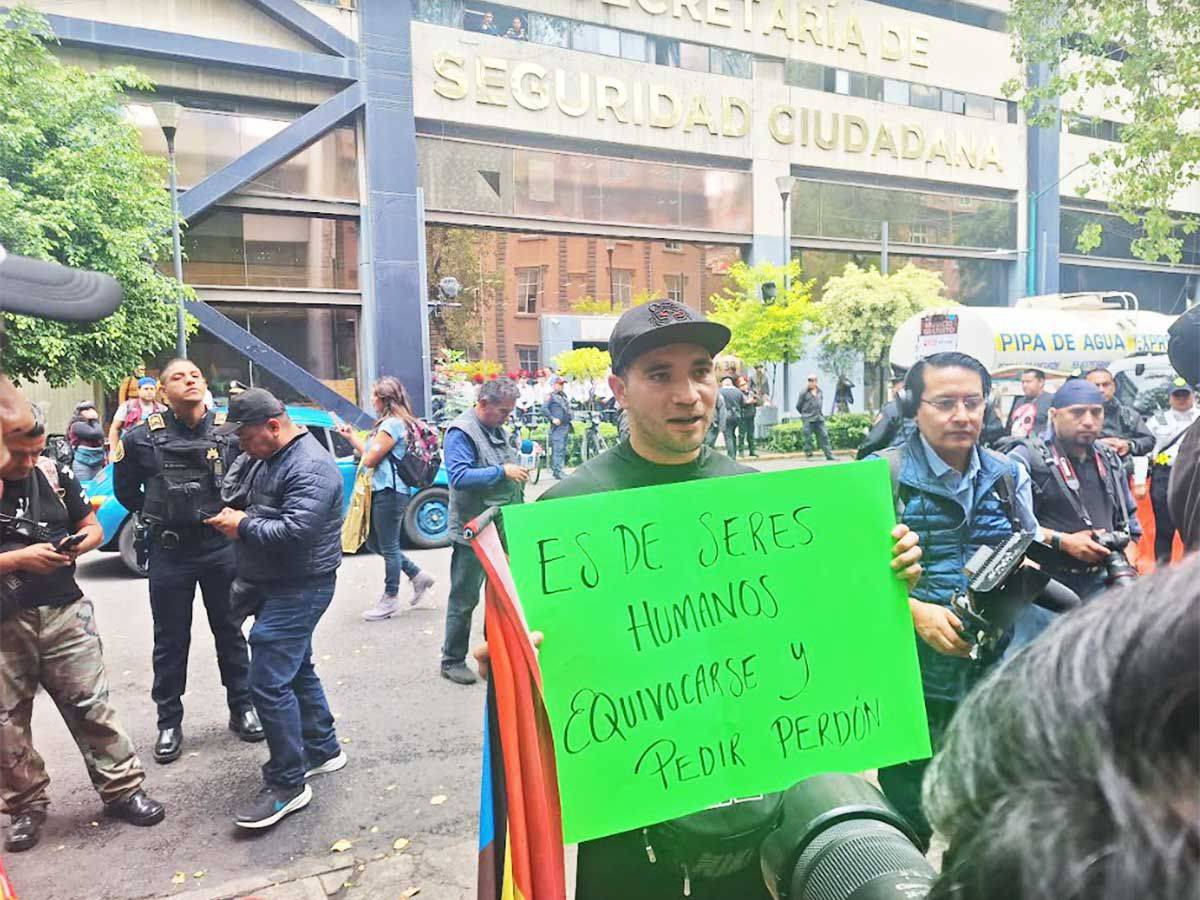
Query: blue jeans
[(287, 692), (466, 580), (558, 450), (1031, 621), (387, 518)]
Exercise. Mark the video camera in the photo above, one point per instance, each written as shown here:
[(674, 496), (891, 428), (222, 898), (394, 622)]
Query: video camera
[(1000, 585)]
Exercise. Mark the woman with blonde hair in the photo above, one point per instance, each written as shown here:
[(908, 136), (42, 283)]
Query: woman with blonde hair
[(382, 451)]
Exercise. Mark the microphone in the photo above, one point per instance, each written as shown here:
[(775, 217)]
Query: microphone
[(527, 446)]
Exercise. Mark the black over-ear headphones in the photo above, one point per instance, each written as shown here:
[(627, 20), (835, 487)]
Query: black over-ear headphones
[(909, 396)]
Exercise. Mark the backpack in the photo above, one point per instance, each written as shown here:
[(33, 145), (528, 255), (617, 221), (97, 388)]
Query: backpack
[(422, 456), (715, 842)]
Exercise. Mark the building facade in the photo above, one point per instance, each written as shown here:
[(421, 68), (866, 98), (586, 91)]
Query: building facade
[(557, 152)]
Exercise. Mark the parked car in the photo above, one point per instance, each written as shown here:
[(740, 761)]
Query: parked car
[(425, 522)]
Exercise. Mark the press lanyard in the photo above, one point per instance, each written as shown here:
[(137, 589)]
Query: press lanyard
[(1067, 470)]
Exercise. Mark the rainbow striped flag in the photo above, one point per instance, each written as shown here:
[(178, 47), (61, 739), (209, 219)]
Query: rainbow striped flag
[(520, 820)]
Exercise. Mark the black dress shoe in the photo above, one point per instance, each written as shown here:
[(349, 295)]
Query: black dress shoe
[(246, 725), (136, 809), (169, 745), (24, 831)]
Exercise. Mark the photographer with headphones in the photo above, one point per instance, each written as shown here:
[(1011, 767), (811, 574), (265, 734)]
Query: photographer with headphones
[(958, 496)]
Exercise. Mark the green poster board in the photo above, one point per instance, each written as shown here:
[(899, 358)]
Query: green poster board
[(717, 639)]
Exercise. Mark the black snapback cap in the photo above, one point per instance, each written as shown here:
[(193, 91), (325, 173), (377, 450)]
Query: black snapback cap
[(250, 407), (35, 287), (658, 323)]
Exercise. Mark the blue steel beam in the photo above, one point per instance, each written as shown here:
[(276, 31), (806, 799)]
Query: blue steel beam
[(263, 354), (393, 292), (107, 37), (308, 25), (271, 152)]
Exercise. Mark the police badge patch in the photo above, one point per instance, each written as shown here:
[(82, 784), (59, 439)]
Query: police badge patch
[(119, 453), (155, 421)]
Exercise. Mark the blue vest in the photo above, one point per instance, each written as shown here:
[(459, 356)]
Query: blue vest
[(949, 540)]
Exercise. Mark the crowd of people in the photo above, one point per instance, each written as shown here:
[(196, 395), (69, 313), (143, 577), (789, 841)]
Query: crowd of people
[(238, 504)]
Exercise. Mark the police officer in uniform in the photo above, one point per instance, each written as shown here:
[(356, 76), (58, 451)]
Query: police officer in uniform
[(169, 469), (1079, 487)]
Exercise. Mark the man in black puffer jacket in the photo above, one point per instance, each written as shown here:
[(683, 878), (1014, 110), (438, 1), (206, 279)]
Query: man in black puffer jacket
[(290, 547)]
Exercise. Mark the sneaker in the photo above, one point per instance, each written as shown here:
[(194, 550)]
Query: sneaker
[(272, 804), (385, 607), (459, 674), (422, 584), (330, 765)]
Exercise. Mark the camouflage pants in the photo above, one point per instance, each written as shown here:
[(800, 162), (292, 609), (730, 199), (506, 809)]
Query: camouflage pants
[(59, 648)]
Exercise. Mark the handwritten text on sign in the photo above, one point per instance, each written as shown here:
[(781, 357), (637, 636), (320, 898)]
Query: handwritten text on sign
[(717, 639)]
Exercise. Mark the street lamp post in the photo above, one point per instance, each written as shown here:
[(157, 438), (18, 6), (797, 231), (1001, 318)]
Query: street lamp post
[(168, 120), (612, 294), (786, 184)]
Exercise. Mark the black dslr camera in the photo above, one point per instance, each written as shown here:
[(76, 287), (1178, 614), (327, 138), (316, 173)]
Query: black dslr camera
[(999, 586), (1118, 571)]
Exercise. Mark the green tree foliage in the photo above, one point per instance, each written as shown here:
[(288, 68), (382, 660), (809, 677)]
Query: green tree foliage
[(766, 331), (469, 255), (76, 187), (1143, 59), (584, 363), (861, 309)]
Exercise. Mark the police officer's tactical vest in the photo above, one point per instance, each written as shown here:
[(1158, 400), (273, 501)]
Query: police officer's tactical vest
[(187, 487)]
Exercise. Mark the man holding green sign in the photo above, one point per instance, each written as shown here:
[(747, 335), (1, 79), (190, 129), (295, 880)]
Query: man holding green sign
[(684, 667)]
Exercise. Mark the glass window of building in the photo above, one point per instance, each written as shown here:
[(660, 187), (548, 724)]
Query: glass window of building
[(804, 74), (322, 339), (208, 140), (232, 248), (674, 287), (595, 39), (635, 46), (895, 91), (979, 107), (841, 81), (734, 63), (974, 282), (622, 286), (954, 102), (549, 30), (529, 358), (440, 12), (529, 289), (925, 97), (693, 56), (546, 184), (832, 210)]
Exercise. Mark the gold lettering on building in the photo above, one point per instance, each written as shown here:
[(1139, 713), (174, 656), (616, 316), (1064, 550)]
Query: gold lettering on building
[(699, 114), (856, 134), (670, 119), (449, 68), (885, 142), (781, 123), (611, 94), (529, 89), (531, 86), (918, 49), (912, 141), (489, 79), (735, 117), (891, 44), (780, 20), (716, 12), (580, 107), (653, 8), (690, 6), (825, 143), (853, 37), (811, 25)]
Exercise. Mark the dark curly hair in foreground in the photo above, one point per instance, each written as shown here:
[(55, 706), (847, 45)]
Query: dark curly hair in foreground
[(1074, 770)]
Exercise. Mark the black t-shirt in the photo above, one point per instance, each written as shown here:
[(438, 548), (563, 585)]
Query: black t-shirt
[(1093, 491), (57, 511), (619, 866)]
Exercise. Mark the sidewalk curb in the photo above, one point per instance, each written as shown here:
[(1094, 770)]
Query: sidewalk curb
[(310, 878)]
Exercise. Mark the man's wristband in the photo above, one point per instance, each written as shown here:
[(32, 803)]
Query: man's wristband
[(1055, 541)]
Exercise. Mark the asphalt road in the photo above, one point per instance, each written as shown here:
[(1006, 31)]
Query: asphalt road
[(413, 739)]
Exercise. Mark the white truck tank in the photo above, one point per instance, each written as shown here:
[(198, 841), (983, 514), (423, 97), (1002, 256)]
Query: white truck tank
[(1033, 335)]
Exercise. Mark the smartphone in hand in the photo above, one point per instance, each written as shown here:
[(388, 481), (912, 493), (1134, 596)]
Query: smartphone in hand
[(69, 542)]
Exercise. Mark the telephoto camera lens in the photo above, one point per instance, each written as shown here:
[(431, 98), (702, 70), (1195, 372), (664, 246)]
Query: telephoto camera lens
[(841, 840)]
